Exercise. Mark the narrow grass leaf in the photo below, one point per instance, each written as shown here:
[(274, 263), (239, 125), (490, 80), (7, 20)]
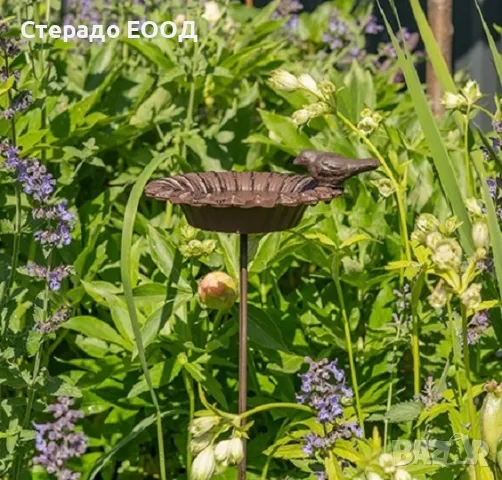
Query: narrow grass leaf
[(433, 138), (433, 52), (497, 57)]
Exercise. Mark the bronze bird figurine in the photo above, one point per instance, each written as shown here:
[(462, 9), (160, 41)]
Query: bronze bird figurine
[(332, 169)]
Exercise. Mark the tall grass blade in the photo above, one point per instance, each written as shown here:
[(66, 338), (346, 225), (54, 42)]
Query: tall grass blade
[(497, 57), (125, 268), (432, 135), (433, 52)]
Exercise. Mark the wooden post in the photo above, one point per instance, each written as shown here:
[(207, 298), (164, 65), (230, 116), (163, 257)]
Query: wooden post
[(249, 3), (439, 13)]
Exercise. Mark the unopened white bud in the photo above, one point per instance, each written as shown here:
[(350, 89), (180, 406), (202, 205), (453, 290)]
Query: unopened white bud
[(283, 80), (309, 84), (204, 465), (229, 452), (471, 298), (480, 235), (201, 425)]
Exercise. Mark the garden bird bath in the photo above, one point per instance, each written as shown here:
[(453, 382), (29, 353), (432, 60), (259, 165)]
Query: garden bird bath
[(245, 203)]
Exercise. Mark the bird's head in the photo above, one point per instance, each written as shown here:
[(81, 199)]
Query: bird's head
[(305, 158)]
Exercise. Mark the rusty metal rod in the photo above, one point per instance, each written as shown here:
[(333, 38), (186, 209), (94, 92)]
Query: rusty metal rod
[(243, 339)]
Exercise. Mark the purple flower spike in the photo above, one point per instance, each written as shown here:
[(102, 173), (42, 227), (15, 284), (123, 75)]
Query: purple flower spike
[(56, 442), (477, 327)]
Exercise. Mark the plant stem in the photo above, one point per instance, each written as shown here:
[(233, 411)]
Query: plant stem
[(271, 406), (467, 163), (191, 400), (470, 398), (348, 343), (390, 175), (416, 353), (456, 359)]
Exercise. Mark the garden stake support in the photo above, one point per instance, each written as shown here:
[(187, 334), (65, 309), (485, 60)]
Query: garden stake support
[(243, 339), (246, 203)]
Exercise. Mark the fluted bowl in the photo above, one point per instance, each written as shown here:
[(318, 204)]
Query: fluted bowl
[(242, 202)]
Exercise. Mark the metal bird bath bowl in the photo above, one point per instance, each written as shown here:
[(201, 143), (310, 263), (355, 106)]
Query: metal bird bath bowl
[(243, 203)]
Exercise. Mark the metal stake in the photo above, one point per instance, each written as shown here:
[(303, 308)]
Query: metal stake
[(243, 339)]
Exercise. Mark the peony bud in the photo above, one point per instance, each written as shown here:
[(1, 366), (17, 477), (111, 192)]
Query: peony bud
[(427, 223), (438, 297), (229, 452), (204, 465), (491, 417), (212, 12), (301, 116), (471, 92), (309, 84), (217, 290), (471, 297), (480, 235), (283, 80), (386, 461), (447, 254), (201, 425), (453, 101), (401, 474)]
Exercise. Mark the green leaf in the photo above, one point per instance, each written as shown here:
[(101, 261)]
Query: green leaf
[(139, 428), (7, 85), (161, 374), (95, 328), (229, 244), (440, 155), (403, 412), (287, 130), (151, 52), (266, 252), (434, 54)]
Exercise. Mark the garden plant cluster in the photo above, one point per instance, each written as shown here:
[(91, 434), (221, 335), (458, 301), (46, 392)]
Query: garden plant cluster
[(375, 326)]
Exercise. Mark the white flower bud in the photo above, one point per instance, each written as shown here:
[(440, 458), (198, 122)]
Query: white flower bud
[(427, 223), (385, 187), (372, 476), (386, 461), (471, 92), (327, 88), (229, 452), (451, 224), (212, 12), (301, 116), (200, 443), (453, 101), (204, 465), (473, 206), (439, 296), (471, 298), (480, 235), (283, 80), (201, 425), (447, 255), (432, 240), (317, 109), (309, 84), (401, 475)]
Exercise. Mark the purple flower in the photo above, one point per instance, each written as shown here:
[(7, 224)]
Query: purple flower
[(4, 77), (57, 442), (477, 326), (372, 27), (52, 324), (497, 126), (429, 396), (20, 103), (54, 277)]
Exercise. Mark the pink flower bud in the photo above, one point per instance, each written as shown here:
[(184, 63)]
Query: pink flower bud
[(217, 290)]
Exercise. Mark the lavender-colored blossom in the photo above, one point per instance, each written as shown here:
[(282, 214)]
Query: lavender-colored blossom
[(4, 75), (429, 395), (9, 46), (372, 27), (57, 442), (323, 388), (52, 324), (19, 104), (54, 277), (477, 326), (54, 235), (497, 126)]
